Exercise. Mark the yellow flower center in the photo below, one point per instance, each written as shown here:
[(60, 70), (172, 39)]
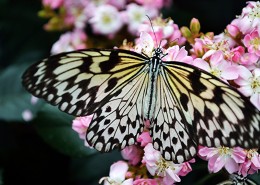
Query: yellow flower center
[(106, 19), (138, 16), (255, 42), (251, 153), (162, 165), (255, 83), (220, 46), (216, 72), (224, 150)]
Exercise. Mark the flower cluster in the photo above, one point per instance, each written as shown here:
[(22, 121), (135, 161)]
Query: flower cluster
[(105, 17), (233, 55), (234, 160)]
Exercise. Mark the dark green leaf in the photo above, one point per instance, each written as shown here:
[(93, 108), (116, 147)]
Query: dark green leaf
[(14, 100), (55, 127), (91, 169)]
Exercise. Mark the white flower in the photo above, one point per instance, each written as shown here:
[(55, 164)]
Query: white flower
[(106, 20), (250, 84), (145, 44), (135, 15), (117, 175), (157, 165)]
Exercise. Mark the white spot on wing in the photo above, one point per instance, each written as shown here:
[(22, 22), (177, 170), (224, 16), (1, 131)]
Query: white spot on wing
[(68, 74), (67, 67)]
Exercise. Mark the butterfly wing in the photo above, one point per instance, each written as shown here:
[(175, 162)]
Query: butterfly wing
[(211, 112), (119, 122), (107, 83), (171, 133), (78, 82)]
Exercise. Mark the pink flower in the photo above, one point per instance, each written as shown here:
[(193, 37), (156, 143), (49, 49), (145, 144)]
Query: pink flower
[(77, 13), (119, 4), (52, 3), (146, 182), (218, 43), (252, 163), (249, 20), (151, 3), (198, 49), (186, 168), (223, 157), (218, 66), (252, 42), (80, 125), (163, 29), (117, 175), (133, 154), (175, 53), (176, 35), (233, 31), (70, 41), (237, 53), (249, 60), (249, 83), (145, 44), (157, 165), (144, 138)]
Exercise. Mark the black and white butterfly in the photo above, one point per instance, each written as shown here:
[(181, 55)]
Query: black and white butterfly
[(186, 106), (236, 179)]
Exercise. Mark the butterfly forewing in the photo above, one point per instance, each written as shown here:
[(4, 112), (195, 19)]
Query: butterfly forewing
[(79, 81)]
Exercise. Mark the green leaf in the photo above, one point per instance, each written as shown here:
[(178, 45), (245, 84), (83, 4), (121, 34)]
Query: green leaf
[(14, 100), (92, 169), (55, 127)]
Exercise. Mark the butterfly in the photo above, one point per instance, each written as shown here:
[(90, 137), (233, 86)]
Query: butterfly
[(186, 106), (236, 179)]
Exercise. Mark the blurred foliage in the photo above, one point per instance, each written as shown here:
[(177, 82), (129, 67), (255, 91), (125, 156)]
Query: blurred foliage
[(46, 150)]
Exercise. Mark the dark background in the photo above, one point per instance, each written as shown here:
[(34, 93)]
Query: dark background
[(26, 155)]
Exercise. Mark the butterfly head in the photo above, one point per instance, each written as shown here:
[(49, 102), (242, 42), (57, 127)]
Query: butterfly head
[(158, 52)]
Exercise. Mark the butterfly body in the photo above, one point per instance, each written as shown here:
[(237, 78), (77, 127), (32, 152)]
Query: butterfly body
[(186, 106), (154, 66)]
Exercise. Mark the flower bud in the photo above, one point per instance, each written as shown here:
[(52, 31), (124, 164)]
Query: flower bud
[(186, 32), (195, 26), (233, 30)]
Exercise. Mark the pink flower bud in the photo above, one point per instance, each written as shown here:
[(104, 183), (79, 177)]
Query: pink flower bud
[(233, 30), (144, 139), (133, 154)]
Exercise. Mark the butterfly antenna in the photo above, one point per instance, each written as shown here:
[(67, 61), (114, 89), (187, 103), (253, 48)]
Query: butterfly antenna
[(153, 31)]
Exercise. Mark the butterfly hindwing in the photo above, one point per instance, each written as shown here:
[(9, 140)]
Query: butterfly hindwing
[(119, 122), (171, 133)]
